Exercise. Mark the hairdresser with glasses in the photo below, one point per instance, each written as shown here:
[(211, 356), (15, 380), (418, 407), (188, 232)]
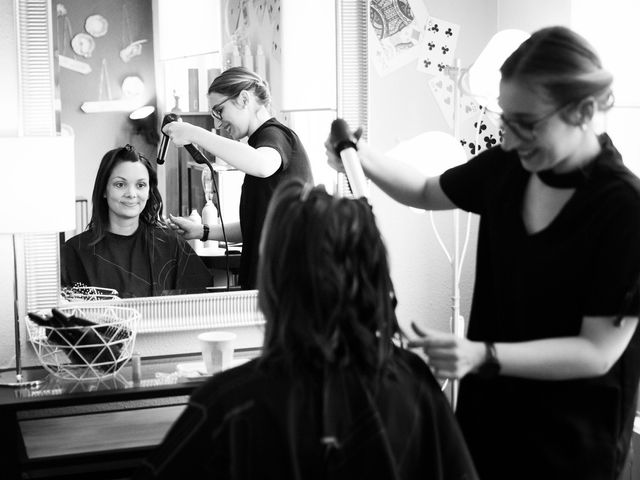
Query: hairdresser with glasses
[(551, 361), (240, 100), (127, 245)]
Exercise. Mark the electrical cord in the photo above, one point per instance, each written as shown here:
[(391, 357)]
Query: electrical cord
[(200, 158)]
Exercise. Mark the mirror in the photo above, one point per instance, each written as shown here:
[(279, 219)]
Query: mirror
[(173, 313)]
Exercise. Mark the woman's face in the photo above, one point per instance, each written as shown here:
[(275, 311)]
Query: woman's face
[(534, 127), (127, 190), (234, 119)]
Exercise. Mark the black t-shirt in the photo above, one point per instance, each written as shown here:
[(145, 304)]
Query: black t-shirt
[(152, 261), (257, 192), (541, 285)]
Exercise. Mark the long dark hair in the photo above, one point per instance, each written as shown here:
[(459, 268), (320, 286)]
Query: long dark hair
[(152, 213), (323, 282), (563, 64)]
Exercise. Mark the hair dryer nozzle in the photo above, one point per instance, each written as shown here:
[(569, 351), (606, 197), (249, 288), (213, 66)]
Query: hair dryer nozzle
[(164, 139)]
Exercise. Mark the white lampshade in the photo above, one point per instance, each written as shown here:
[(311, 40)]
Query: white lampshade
[(38, 192), (484, 74), (431, 153)]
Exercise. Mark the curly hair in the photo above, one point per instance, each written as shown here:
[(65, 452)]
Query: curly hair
[(152, 213), (323, 281)]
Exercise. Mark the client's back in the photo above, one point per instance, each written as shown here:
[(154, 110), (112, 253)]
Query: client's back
[(331, 395)]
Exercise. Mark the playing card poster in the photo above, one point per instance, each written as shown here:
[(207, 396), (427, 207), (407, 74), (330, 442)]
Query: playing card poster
[(477, 131), (438, 46), (398, 26)]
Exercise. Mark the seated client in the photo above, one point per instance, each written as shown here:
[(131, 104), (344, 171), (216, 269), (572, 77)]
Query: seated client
[(127, 245), (331, 395)]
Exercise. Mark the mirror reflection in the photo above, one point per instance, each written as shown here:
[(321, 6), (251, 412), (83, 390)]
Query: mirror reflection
[(127, 246), (114, 58)]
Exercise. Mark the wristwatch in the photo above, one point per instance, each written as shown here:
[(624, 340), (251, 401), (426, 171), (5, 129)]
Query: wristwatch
[(205, 233), (491, 366)]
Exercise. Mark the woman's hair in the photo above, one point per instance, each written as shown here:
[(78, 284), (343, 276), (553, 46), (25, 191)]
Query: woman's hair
[(236, 79), (323, 282), (563, 64), (152, 213)]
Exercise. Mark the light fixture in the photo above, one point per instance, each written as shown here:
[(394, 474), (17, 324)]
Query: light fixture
[(431, 153), (33, 168), (483, 77)]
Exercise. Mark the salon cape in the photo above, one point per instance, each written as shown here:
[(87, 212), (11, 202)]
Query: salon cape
[(255, 421), (152, 261)]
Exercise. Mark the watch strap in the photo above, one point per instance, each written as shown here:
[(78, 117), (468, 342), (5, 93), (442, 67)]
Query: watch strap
[(205, 232), (491, 366)]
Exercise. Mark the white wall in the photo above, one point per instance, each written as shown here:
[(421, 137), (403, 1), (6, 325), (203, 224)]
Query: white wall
[(8, 127), (530, 15), (402, 107)]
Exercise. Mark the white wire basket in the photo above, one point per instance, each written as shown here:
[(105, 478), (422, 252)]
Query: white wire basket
[(87, 352), (84, 293)]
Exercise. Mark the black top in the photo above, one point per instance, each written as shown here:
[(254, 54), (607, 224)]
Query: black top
[(256, 421), (586, 262), (152, 261), (256, 192)]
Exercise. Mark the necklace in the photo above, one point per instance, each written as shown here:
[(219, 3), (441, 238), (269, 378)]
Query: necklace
[(573, 179)]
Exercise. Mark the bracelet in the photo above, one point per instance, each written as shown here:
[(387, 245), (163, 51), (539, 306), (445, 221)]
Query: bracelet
[(205, 232)]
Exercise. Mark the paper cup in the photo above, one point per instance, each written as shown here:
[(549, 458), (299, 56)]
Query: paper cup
[(217, 350)]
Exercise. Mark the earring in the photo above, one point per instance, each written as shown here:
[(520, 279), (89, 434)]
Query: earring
[(583, 127)]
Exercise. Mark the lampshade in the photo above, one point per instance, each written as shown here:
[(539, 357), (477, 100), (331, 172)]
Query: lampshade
[(431, 153), (38, 192), (484, 74)]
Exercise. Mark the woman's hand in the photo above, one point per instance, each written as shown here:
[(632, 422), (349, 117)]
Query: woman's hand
[(186, 227), (449, 356), (181, 133), (333, 159)]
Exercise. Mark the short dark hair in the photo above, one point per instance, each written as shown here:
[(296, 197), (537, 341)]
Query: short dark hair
[(563, 64), (323, 281), (152, 213)]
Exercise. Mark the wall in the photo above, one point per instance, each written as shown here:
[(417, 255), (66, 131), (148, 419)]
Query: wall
[(96, 133), (530, 15), (402, 107), (8, 127)]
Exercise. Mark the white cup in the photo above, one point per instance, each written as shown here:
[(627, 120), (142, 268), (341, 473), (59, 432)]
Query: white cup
[(217, 350)]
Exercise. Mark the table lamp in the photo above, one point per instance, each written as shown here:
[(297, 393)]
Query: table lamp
[(38, 196)]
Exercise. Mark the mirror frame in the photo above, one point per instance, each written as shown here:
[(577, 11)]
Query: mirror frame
[(175, 312)]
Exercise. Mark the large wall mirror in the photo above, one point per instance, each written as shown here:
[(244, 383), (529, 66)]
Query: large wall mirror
[(172, 314)]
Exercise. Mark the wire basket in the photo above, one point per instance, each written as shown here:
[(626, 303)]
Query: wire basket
[(84, 293), (87, 352)]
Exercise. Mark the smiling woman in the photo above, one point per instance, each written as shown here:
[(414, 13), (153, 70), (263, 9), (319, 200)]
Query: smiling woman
[(127, 246)]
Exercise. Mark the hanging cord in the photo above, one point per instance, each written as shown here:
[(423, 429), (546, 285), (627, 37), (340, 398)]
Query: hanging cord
[(224, 233), (104, 82), (67, 35)]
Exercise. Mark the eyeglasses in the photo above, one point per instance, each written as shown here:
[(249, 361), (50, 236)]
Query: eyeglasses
[(523, 129), (216, 110)]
